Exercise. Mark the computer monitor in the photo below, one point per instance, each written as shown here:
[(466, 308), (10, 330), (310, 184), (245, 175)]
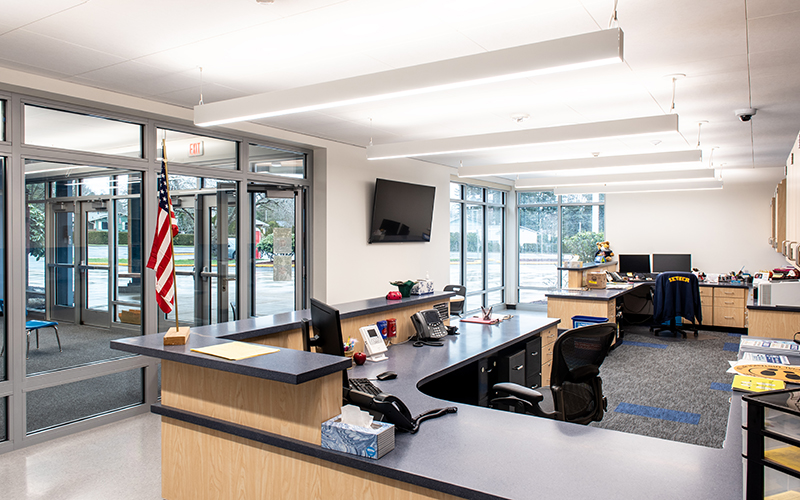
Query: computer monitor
[(327, 327), (636, 264), (666, 262)]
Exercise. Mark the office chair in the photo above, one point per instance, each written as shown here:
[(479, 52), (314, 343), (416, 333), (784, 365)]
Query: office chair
[(676, 295), (575, 384), (457, 307)]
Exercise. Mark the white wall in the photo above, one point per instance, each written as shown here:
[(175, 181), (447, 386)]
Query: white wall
[(356, 269), (723, 230)]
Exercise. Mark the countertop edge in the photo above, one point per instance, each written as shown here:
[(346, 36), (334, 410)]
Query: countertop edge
[(308, 449)]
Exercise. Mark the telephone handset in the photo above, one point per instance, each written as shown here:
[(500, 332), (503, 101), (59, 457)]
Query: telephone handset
[(428, 325), (390, 408)]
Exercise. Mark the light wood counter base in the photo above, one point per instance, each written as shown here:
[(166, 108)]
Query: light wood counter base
[(200, 463)]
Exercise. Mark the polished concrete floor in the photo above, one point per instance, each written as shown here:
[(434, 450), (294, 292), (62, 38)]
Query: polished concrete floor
[(120, 461)]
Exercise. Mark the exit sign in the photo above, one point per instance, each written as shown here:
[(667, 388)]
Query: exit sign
[(196, 148)]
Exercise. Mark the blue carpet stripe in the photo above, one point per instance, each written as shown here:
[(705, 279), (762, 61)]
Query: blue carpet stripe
[(734, 334), (731, 346), (717, 386), (645, 344), (660, 413)]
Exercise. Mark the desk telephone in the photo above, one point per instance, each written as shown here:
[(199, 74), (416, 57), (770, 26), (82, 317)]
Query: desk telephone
[(428, 324), (615, 277), (389, 409)]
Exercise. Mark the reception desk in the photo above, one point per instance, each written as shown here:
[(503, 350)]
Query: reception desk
[(250, 429)]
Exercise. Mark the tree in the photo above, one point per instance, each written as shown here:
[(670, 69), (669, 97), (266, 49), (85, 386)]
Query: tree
[(583, 245)]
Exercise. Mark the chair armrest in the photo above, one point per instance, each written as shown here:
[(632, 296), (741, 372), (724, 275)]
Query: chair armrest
[(519, 391)]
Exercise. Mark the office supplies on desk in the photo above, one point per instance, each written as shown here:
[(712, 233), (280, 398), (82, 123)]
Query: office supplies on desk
[(428, 325), (373, 343), (235, 351), (373, 440)]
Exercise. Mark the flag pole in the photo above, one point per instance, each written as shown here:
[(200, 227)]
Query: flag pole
[(171, 243)]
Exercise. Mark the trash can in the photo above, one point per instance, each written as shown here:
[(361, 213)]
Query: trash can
[(587, 320)]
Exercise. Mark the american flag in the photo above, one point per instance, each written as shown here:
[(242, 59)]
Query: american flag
[(161, 253)]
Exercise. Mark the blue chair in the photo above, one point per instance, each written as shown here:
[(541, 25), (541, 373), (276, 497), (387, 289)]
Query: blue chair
[(33, 326)]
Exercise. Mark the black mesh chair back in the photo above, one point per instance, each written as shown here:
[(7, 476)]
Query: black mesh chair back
[(575, 381), (575, 384)]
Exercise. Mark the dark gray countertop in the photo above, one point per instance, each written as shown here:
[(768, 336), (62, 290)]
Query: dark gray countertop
[(288, 366), (597, 294), (484, 453), (588, 265)]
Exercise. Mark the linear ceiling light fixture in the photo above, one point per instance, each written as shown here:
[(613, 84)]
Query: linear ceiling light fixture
[(597, 48), (687, 157), (615, 179), (641, 187), (498, 140)]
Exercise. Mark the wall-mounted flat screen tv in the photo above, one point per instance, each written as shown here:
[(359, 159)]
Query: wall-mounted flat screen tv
[(401, 212)]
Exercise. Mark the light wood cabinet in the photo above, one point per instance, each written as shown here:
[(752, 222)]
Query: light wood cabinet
[(724, 306), (548, 339)]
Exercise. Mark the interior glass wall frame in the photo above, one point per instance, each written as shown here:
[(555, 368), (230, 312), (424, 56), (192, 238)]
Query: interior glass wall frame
[(477, 243), (544, 229), (3, 119)]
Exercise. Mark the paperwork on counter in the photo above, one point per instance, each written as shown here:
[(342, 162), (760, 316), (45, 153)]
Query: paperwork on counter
[(235, 351)]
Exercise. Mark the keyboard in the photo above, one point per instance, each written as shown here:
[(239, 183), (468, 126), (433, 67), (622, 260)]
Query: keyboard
[(364, 385)]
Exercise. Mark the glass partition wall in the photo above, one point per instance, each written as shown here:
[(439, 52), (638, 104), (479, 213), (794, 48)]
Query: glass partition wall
[(477, 243), (553, 231), (85, 187)]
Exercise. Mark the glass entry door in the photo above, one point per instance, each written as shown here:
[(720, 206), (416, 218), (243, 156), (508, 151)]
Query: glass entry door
[(205, 251), (94, 271), (276, 284), (79, 263)]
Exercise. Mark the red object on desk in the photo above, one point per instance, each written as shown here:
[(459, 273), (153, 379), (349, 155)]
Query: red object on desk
[(480, 320), (394, 296)]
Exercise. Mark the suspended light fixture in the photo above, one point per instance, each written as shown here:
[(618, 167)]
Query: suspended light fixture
[(615, 179), (648, 187), (563, 54), (664, 160), (565, 133)]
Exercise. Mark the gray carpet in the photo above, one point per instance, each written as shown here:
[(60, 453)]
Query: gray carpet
[(677, 378)]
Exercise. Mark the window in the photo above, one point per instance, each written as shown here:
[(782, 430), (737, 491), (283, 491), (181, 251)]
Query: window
[(277, 161), (477, 243), (2, 120), (552, 231), (94, 134)]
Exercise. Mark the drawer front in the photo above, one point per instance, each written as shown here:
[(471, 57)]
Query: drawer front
[(729, 302), (549, 336), (729, 316), (533, 363), (707, 300), (706, 291), (546, 373), (547, 354), (731, 293)]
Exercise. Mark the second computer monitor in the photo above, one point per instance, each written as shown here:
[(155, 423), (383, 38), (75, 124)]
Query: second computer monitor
[(635, 264), (670, 262)]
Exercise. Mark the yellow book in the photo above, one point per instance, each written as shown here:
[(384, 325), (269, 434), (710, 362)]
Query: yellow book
[(236, 350), (788, 456), (756, 384)]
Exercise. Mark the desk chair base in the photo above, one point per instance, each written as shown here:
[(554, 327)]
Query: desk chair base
[(34, 326), (674, 329)]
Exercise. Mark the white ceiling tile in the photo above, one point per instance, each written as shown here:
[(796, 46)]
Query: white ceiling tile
[(18, 14), (54, 55), (762, 8)]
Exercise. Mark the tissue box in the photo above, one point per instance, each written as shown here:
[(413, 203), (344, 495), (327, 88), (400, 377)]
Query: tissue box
[(374, 442), (422, 287)]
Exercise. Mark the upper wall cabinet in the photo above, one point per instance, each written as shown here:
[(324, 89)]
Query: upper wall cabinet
[(785, 205)]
